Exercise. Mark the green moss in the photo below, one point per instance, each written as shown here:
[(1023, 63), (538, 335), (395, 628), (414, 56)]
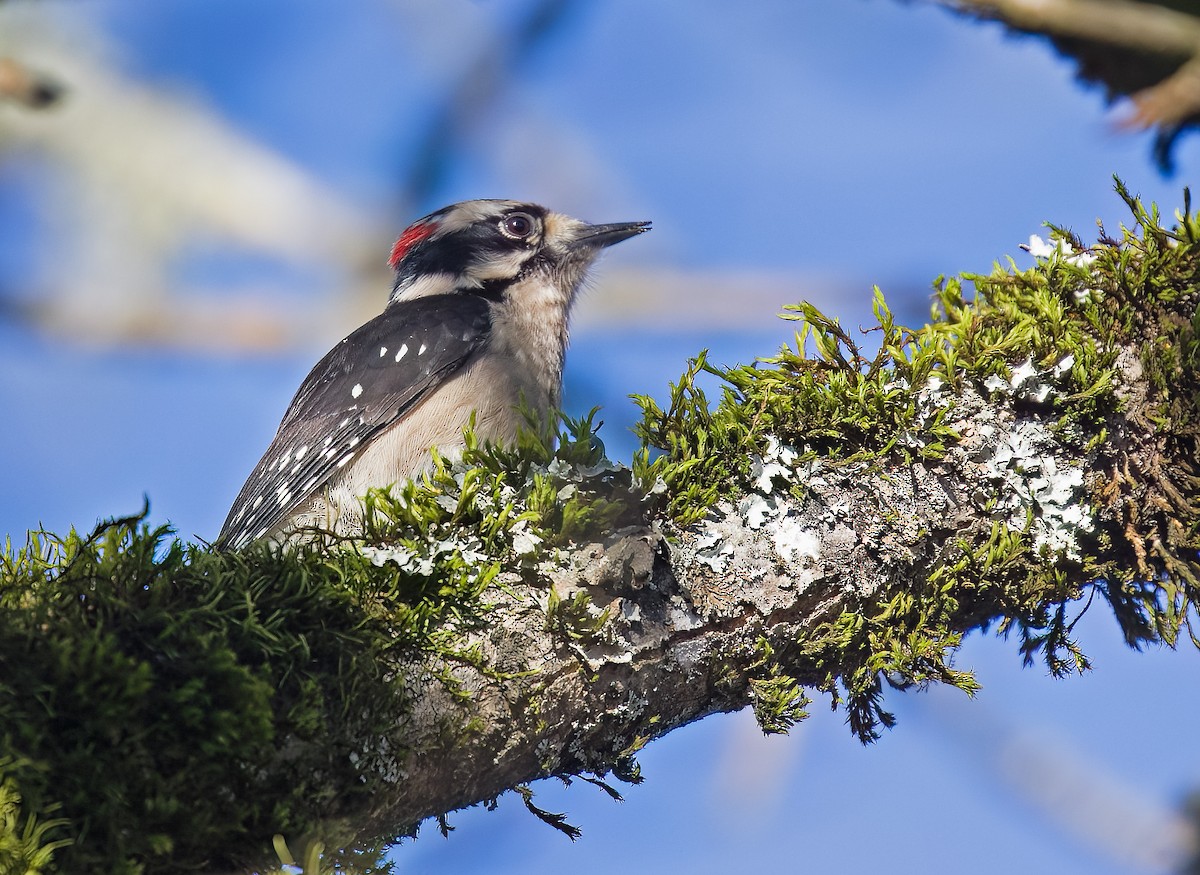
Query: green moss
[(778, 700), (575, 619), (178, 706), (173, 704), (27, 842), (1067, 321), (905, 638), (836, 403), (558, 486)]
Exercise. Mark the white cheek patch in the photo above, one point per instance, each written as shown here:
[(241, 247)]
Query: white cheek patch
[(499, 267), (423, 286)]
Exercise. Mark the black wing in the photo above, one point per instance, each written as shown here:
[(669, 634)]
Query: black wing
[(361, 386)]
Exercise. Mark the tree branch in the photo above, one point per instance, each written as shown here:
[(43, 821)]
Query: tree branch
[(1148, 51), (836, 522), (1135, 25), (30, 89)]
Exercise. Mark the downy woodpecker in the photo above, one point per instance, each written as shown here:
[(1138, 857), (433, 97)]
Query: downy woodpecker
[(476, 323)]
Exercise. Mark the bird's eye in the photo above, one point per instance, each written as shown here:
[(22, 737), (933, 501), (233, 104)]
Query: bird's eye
[(517, 225)]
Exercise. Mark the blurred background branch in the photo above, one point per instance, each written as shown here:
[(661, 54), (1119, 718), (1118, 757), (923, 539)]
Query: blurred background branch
[(26, 87), (465, 102), (1148, 52), (134, 178)]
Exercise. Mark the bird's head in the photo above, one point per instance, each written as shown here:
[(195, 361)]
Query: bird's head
[(489, 247)]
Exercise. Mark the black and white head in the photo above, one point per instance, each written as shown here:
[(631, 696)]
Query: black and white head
[(486, 246)]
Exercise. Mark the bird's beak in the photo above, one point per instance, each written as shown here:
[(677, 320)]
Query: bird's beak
[(599, 236)]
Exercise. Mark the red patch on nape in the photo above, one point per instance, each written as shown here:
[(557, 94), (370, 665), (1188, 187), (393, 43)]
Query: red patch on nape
[(410, 238)]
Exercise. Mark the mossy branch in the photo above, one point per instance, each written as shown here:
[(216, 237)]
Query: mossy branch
[(835, 522)]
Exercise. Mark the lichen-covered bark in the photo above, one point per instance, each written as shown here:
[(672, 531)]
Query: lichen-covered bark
[(688, 608)]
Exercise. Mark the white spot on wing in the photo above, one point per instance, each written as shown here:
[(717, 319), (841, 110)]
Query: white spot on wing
[(422, 349), (356, 391), (382, 351), (257, 502), (402, 351), (344, 459), (300, 452)]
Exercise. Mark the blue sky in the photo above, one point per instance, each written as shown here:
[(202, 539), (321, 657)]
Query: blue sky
[(829, 145)]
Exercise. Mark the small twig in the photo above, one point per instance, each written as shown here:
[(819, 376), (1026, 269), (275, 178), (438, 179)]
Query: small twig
[(1170, 102)]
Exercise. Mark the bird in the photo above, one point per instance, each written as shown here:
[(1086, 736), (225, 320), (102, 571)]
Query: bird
[(476, 325)]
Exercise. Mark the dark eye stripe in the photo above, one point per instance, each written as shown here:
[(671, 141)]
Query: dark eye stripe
[(456, 252)]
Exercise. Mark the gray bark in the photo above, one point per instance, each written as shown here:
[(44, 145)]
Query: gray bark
[(686, 614)]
